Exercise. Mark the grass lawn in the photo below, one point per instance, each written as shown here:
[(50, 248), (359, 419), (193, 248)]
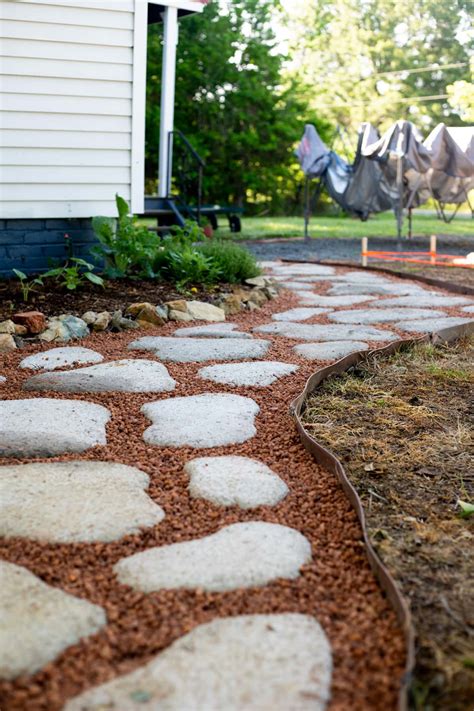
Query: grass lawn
[(323, 227)]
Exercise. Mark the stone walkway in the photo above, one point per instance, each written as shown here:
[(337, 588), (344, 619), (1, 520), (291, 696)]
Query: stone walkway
[(268, 658)]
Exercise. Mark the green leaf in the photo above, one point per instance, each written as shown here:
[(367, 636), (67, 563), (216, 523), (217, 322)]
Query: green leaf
[(19, 274), (94, 278), (122, 206), (467, 509)]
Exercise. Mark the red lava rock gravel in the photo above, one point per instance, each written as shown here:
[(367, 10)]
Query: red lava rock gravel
[(337, 587)]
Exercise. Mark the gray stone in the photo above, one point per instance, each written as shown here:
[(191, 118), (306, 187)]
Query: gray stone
[(305, 269), (7, 343), (432, 324), (331, 350), (257, 373), (7, 326), (259, 281), (44, 427), (75, 502), (375, 288), (297, 286), (64, 328), (242, 555), (319, 300), (428, 298), (61, 358), (382, 315), (300, 314), (102, 321), (234, 481), (120, 323), (365, 277), (201, 311), (128, 376), (201, 421), (326, 332), (39, 621), (220, 330), (197, 350), (280, 662), (89, 317)]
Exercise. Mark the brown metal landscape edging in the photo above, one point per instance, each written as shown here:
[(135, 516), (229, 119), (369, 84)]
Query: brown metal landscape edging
[(448, 285), (331, 463)]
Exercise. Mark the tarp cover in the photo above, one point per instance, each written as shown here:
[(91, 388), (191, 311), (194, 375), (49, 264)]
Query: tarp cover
[(441, 166)]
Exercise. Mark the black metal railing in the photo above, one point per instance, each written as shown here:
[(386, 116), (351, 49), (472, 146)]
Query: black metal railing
[(185, 174)]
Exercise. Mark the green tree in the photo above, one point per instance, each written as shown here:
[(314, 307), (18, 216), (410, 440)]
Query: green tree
[(234, 103), (354, 53)]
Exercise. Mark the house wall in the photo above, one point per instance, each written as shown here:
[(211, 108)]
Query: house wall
[(67, 105)]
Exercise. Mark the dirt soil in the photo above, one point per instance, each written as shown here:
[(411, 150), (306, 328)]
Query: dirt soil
[(455, 275), (403, 428), (116, 295)]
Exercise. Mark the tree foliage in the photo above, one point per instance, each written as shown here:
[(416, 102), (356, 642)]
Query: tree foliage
[(233, 103)]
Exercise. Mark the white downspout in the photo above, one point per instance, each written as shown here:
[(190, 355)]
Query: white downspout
[(168, 78)]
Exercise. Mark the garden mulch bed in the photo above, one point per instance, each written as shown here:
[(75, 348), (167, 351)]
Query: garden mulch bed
[(337, 587), (116, 296), (403, 428)]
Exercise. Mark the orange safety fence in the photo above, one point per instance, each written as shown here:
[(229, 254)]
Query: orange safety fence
[(432, 258)]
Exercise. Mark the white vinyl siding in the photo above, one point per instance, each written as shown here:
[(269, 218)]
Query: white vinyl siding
[(67, 106)]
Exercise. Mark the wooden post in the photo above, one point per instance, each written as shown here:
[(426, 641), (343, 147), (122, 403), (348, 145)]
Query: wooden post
[(433, 249), (365, 248)]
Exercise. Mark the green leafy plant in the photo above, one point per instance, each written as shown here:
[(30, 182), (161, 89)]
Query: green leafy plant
[(187, 266), (73, 274), (126, 249), (467, 509), (27, 286), (235, 264)]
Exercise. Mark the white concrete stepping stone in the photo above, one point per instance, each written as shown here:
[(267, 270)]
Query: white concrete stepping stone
[(220, 330), (234, 481), (73, 502), (44, 427), (306, 269), (298, 286), (365, 277), (315, 279), (363, 288), (197, 350), (2, 379), (469, 309), (299, 314), (129, 376), (258, 373), (331, 301), (423, 300), (433, 324), (326, 332), (278, 662), (242, 555), (201, 421), (39, 621), (383, 315), (61, 358), (331, 350)]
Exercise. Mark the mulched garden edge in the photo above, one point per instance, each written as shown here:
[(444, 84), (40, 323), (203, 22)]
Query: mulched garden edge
[(328, 460)]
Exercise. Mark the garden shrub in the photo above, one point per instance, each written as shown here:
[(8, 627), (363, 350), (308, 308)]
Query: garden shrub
[(235, 264)]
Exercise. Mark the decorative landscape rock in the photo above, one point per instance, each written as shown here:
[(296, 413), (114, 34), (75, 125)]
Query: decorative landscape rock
[(98, 322), (330, 350), (198, 350), (120, 323), (220, 330), (382, 315), (7, 343), (253, 662), (74, 502), (45, 427), (7, 327), (319, 300), (129, 376), (432, 324), (200, 311), (64, 328), (33, 321), (299, 314), (39, 621), (242, 555), (146, 314), (256, 373), (61, 358), (426, 299), (326, 332), (201, 421), (234, 481)]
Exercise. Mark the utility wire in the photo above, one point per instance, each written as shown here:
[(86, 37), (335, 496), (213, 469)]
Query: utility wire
[(432, 68), (409, 100)]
